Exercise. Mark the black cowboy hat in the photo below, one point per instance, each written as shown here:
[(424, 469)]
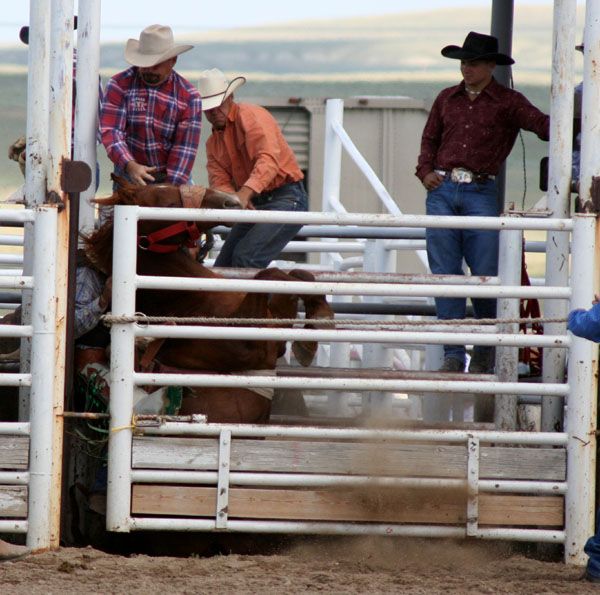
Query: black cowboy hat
[(24, 32), (478, 46)]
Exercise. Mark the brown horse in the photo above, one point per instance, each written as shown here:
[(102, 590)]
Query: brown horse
[(233, 356)]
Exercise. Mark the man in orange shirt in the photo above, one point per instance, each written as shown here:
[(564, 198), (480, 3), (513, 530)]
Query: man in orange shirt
[(248, 155)]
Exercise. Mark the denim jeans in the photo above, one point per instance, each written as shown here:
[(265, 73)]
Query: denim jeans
[(446, 248), (255, 245), (592, 549)]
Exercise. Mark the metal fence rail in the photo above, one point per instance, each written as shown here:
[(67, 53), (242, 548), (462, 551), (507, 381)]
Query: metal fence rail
[(40, 427), (123, 380)]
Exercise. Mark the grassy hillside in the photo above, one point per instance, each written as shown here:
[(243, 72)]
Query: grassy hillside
[(404, 45), (397, 54)]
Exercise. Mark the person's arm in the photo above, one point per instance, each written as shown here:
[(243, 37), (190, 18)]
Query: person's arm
[(430, 142), (92, 298), (113, 121), (220, 179), (185, 144), (529, 117), (585, 323)]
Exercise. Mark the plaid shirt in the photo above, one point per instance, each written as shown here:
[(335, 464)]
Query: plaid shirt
[(155, 126), (88, 289)]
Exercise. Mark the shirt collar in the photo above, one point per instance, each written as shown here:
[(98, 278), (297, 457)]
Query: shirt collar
[(233, 110), (492, 89)]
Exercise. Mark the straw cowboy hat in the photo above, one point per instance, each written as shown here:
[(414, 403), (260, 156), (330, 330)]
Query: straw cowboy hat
[(154, 46), (215, 88), (478, 46)]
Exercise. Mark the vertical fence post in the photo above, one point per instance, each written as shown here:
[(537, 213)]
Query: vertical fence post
[(332, 165), (582, 399), (339, 357), (44, 519), (378, 259), (38, 82), (509, 273), (558, 197), (339, 354), (59, 149), (122, 338), (86, 108)]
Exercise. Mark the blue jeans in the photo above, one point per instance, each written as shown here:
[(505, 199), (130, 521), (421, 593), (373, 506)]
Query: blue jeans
[(592, 549), (446, 248), (255, 245)]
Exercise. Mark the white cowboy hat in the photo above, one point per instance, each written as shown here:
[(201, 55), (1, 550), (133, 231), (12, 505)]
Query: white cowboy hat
[(215, 88), (154, 46)]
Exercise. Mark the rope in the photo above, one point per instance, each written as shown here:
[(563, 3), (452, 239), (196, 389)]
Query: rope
[(142, 318), (121, 428)]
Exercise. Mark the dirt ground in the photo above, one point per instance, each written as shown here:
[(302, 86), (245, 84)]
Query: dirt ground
[(361, 565)]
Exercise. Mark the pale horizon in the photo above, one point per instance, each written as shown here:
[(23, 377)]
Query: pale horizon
[(121, 20)]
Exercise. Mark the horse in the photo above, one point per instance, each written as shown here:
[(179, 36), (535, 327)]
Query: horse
[(159, 253)]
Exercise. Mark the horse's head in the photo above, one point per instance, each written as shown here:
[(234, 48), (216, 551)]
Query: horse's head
[(168, 196), (156, 195), (153, 233)]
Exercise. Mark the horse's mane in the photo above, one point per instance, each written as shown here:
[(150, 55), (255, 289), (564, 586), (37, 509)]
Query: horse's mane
[(98, 246)]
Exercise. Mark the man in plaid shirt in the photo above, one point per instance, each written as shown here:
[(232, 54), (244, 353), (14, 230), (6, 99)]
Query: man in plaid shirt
[(151, 116)]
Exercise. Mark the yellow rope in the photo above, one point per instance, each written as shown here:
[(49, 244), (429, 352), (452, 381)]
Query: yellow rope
[(118, 429)]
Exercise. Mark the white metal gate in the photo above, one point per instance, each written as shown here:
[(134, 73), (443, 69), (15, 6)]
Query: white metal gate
[(30, 463), (131, 468)]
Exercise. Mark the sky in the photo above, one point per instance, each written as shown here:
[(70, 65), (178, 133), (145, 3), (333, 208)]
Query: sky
[(123, 18)]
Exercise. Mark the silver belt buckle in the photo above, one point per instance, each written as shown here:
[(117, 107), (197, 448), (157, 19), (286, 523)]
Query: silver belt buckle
[(459, 175)]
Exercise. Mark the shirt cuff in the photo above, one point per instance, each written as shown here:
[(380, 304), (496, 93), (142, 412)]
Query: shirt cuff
[(255, 185)]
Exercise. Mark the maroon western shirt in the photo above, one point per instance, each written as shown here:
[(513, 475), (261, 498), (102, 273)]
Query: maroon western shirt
[(477, 135)]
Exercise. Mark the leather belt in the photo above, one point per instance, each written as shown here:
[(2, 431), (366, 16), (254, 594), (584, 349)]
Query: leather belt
[(460, 175)]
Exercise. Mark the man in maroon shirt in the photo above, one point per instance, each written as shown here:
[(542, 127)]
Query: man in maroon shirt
[(470, 131)]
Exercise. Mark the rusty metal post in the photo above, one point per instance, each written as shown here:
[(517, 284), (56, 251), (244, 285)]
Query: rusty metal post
[(76, 178), (59, 145), (582, 398)]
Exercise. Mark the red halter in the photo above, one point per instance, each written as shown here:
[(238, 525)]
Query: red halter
[(191, 197), (151, 242)]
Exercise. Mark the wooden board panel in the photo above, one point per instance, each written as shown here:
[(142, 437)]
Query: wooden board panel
[(383, 458), (14, 452), (13, 501), (497, 462), (367, 505), (295, 456)]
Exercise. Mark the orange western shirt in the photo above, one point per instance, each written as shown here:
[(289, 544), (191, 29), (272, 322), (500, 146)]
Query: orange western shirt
[(250, 151)]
